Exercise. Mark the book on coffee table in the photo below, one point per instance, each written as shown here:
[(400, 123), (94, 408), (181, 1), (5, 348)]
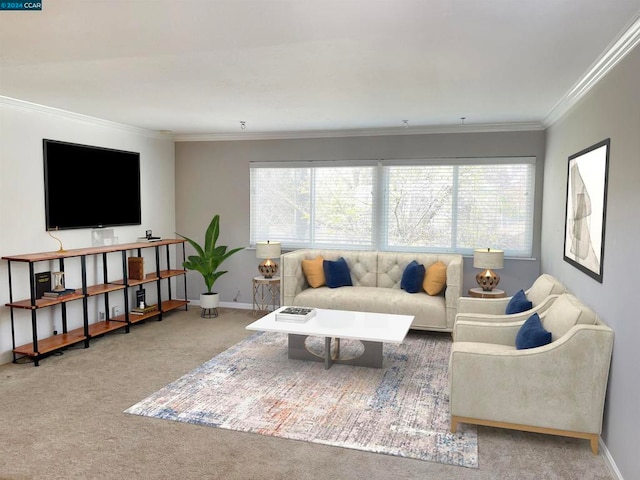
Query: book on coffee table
[(295, 314)]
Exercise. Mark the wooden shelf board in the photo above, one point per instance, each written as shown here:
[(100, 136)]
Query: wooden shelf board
[(138, 318), (169, 305), (132, 282), (50, 344), (171, 273), (151, 277), (45, 302), (77, 252), (99, 328), (103, 288)]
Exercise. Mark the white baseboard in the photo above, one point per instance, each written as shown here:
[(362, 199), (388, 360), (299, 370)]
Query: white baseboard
[(611, 464), (242, 306), (6, 357), (238, 305)]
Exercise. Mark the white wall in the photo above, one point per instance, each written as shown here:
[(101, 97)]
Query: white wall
[(22, 220), (213, 177), (611, 109)]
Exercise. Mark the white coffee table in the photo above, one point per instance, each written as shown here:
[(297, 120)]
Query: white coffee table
[(371, 329)]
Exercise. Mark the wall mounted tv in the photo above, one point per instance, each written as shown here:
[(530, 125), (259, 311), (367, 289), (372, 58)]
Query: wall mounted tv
[(90, 187)]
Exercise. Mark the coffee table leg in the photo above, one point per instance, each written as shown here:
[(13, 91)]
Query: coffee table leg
[(371, 357), (327, 353), (298, 350)]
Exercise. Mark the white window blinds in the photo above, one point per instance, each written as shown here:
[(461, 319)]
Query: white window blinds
[(445, 205), (320, 206)]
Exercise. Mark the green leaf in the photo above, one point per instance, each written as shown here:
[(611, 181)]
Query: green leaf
[(208, 259)]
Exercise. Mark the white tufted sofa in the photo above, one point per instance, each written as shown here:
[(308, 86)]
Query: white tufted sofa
[(376, 280)]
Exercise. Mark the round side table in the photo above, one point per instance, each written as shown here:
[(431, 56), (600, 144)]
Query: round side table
[(480, 293), (266, 293)]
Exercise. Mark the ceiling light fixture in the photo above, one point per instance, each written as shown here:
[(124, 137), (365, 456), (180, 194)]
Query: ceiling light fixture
[(243, 125)]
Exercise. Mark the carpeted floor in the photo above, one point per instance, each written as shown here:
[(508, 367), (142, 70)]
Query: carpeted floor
[(64, 420), (402, 409)]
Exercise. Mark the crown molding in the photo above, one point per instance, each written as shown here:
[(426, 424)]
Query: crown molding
[(35, 107), (373, 132), (615, 52)]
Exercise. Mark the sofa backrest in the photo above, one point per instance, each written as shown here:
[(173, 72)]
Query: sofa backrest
[(544, 286), (566, 312), (391, 265)]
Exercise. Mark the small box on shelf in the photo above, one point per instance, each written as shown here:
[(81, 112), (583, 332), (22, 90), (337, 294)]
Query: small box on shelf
[(135, 266), (141, 298), (43, 283)]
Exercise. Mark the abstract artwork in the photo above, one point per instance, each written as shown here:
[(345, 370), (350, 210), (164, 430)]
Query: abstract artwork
[(586, 209)]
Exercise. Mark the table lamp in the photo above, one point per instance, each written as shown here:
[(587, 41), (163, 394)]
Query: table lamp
[(488, 259), (268, 250)]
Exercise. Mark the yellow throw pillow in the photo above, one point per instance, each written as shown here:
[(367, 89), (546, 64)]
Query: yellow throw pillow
[(314, 272), (435, 279)]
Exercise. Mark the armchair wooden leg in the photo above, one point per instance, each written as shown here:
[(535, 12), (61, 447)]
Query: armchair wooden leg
[(594, 444), (592, 437)]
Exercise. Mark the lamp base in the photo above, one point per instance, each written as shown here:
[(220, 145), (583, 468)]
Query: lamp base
[(488, 280), (268, 268)]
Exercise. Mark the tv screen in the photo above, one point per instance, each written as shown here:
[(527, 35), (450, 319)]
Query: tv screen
[(90, 187)]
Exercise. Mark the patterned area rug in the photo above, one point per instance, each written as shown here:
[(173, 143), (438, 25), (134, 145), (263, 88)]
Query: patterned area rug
[(401, 409)]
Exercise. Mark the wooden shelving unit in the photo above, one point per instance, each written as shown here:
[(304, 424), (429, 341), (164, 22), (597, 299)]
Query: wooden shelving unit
[(40, 347)]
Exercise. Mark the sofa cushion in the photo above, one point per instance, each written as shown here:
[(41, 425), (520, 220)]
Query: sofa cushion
[(565, 312), (518, 304), (336, 273), (428, 311), (532, 334), (412, 277), (314, 271), (435, 278)]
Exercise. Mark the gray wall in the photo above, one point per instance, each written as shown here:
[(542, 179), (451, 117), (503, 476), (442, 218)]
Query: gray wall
[(213, 177), (611, 109)]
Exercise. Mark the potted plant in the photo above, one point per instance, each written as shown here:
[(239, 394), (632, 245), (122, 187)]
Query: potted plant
[(207, 261)]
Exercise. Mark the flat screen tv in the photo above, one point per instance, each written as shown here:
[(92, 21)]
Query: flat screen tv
[(90, 187)]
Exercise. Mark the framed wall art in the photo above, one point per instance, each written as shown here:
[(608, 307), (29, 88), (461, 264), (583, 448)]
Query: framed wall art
[(586, 209)]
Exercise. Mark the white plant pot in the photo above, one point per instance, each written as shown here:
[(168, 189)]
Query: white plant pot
[(209, 300)]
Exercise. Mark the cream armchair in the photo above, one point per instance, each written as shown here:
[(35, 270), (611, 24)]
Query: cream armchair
[(558, 388), (541, 294)]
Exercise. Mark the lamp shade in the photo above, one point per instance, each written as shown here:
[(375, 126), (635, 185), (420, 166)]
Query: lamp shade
[(268, 249), (488, 258)]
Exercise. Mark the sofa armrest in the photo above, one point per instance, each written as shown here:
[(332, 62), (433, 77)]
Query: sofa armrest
[(487, 306), (491, 304), (454, 288), (292, 279), (486, 332)]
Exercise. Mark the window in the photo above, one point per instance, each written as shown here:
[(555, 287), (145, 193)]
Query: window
[(445, 205)]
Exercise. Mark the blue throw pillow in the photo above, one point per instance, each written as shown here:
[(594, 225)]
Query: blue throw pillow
[(337, 273), (412, 277), (532, 334), (518, 304)]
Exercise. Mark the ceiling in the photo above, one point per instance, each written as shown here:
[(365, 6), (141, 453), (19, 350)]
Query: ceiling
[(198, 68)]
